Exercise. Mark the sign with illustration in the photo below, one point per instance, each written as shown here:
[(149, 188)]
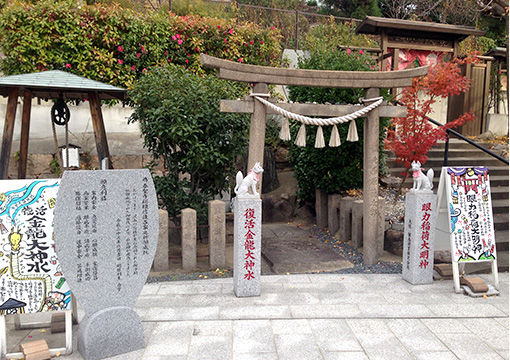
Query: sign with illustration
[(470, 211), (464, 194), (31, 279)]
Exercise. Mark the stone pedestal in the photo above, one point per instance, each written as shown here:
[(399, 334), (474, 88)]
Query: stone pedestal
[(419, 237), (357, 223), (247, 246)]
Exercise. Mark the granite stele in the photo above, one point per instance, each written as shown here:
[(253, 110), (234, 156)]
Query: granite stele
[(106, 232)]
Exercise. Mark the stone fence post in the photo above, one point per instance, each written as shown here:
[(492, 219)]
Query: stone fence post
[(217, 237), (189, 239), (160, 262)]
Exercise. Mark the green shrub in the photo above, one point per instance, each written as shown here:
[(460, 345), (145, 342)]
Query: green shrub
[(179, 116), (331, 169), (116, 45)]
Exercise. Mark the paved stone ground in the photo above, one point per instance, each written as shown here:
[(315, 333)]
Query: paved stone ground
[(313, 316), (290, 249)]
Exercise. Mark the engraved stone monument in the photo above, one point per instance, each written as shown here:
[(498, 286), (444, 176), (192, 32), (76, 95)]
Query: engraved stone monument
[(247, 234), (106, 232), (419, 237)]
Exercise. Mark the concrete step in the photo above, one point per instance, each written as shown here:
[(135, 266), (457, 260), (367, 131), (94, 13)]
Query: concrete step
[(396, 169), (501, 222)]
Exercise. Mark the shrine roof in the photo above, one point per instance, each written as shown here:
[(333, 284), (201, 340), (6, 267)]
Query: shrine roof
[(415, 29), (50, 84)]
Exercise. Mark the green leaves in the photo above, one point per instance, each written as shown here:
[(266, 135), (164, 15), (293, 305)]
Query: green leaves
[(179, 116), (117, 46)]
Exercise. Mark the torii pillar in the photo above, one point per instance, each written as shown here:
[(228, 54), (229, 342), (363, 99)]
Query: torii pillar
[(372, 82)]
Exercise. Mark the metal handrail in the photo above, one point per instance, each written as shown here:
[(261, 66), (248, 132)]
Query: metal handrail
[(462, 137)]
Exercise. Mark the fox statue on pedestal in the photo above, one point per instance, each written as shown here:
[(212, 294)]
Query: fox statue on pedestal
[(420, 181), (248, 182)]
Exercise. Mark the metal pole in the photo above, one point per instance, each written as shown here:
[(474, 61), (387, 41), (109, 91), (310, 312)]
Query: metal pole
[(297, 15)]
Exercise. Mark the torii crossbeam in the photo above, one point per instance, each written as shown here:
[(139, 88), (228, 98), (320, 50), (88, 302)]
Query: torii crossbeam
[(372, 82)]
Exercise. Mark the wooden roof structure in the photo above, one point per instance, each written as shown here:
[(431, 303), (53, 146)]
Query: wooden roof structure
[(51, 85), (445, 37)]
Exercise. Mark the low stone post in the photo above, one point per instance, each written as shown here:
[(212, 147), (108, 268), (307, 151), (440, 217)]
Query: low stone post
[(333, 212), (321, 208), (189, 239), (419, 237), (217, 237), (161, 258), (357, 223), (345, 218), (380, 226), (247, 245)]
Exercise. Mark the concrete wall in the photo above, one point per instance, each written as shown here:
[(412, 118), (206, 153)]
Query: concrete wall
[(123, 138)]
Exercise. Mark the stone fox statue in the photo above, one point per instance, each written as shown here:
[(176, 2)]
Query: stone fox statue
[(249, 182), (420, 181)]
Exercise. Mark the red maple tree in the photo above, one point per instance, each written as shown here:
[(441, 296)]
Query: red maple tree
[(410, 138)]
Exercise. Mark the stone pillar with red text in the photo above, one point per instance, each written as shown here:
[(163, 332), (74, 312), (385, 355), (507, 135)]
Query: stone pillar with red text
[(247, 245), (419, 237)]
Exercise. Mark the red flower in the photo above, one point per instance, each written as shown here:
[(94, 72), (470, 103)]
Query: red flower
[(138, 55), (120, 61), (251, 42), (133, 68), (120, 48), (261, 41), (68, 65)]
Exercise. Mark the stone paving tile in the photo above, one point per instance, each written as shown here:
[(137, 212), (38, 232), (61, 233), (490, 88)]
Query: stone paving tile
[(503, 307), (489, 330), (465, 310), (297, 326), (296, 278), (181, 288), (345, 355), (445, 326), (434, 355), (334, 335), (165, 357), (317, 288), (256, 356), (503, 321), (219, 300), (210, 348), (297, 346), (338, 278), (213, 328), (373, 286), (415, 336), (415, 298), (182, 313), (170, 338), (396, 311), (150, 289), (352, 298), (468, 346), (324, 311), (264, 288), (255, 312), (288, 298), (161, 301), (253, 337), (383, 347), (377, 340)]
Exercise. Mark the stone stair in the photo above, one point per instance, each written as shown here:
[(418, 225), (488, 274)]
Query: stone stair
[(461, 153)]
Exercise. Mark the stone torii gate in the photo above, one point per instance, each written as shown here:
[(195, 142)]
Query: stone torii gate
[(372, 82)]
